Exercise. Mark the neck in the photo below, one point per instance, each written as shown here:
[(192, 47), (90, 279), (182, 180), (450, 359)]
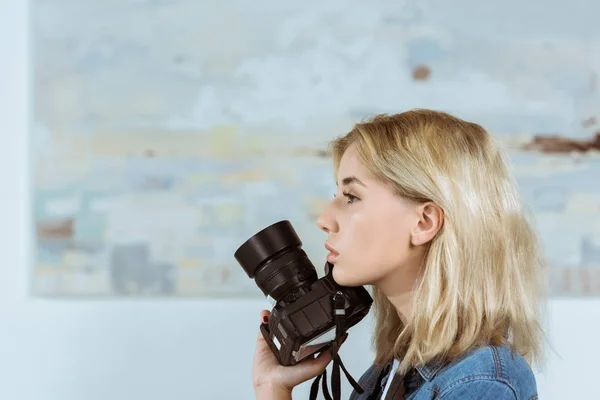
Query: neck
[(402, 304), (399, 288)]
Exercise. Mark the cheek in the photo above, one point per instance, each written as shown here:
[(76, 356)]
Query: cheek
[(373, 246), (366, 251)]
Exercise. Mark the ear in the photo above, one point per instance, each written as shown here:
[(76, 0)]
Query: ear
[(430, 218)]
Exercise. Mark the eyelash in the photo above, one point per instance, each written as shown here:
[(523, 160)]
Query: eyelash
[(351, 198)]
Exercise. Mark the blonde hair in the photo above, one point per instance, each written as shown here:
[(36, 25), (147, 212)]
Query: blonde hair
[(483, 280)]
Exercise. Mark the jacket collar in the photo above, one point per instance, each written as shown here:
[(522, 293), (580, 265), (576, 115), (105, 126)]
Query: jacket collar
[(430, 369)]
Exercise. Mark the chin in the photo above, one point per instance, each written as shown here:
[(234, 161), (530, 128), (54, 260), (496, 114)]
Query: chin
[(343, 278)]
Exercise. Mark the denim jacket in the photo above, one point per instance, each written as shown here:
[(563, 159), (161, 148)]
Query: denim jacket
[(490, 372)]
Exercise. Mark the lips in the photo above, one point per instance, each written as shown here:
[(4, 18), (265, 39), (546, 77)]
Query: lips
[(333, 254)]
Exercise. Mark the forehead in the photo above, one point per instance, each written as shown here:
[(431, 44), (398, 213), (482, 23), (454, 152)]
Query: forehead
[(350, 164)]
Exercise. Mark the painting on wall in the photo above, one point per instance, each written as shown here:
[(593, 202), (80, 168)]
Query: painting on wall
[(162, 137)]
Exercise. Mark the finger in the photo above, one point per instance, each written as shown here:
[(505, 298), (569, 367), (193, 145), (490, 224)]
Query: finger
[(314, 366), (264, 316), (323, 357)]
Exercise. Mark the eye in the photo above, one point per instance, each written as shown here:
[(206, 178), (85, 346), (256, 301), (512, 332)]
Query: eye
[(351, 198)]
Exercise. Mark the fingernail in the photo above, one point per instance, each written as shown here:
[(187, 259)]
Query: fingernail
[(265, 319)]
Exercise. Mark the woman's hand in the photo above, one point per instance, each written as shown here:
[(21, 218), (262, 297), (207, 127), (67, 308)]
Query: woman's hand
[(270, 376)]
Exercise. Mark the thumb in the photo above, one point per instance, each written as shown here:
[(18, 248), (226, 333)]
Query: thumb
[(314, 366)]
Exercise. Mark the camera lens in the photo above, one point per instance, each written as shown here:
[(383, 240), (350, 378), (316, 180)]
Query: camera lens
[(275, 260)]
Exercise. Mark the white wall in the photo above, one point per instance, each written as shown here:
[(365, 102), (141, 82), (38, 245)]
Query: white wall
[(151, 350)]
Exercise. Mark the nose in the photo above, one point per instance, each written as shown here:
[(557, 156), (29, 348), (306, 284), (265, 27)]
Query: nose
[(326, 221)]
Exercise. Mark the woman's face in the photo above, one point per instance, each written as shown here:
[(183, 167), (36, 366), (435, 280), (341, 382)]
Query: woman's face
[(373, 234)]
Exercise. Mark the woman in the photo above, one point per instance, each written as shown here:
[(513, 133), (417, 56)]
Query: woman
[(428, 214)]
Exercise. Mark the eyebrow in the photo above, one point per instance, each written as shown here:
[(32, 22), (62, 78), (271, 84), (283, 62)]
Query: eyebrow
[(351, 179)]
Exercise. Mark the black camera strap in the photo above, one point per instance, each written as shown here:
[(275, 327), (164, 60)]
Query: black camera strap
[(340, 330)]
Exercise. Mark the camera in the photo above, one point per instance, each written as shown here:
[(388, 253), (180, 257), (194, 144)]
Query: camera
[(307, 311)]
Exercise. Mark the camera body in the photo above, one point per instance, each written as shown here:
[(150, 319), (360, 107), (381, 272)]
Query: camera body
[(303, 319), (306, 326)]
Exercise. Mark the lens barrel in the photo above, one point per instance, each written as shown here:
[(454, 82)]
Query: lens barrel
[(275, 260)]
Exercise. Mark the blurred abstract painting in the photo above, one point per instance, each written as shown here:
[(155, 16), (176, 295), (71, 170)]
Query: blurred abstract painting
[(165, 133)]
